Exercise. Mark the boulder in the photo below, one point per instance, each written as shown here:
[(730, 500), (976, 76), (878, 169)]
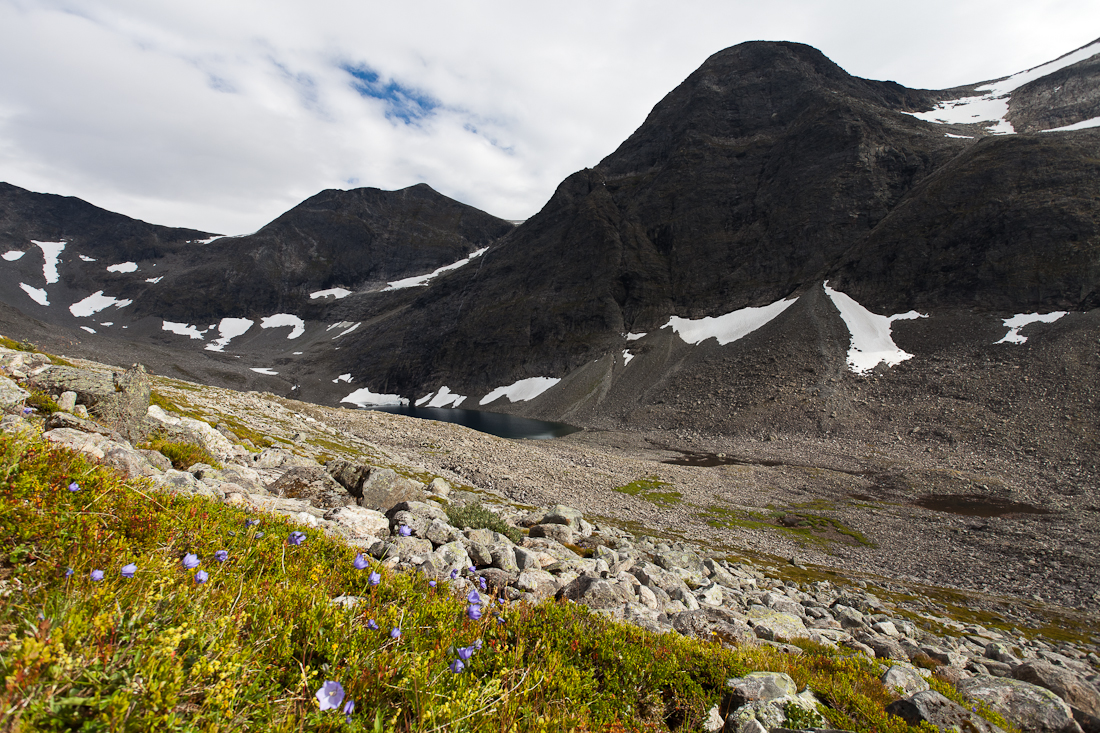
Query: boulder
[(538, 583), (72, 422), (932, 707), (126, 408), (350, 475), (92, 444), (1029, 706), (131, 462), (562, 514), (11, 394), (181, 482), (775, 625), (383, 490), (313, 484), (360, 522), (595, 593), (904, 678), (91, 387), (560, 533), (207, 436), (1082, 697), (268, 457)]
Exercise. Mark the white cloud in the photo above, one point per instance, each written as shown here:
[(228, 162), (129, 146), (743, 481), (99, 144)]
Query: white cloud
[(220, 116)]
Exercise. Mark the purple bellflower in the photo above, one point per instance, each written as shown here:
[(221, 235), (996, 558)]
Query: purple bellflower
[(190, 561), (296, 538), (360, 562), (74, 486), (97, 575), (201, 577), (221, 555), (128, 570), (457, 666), (330, 695), (404, 530)]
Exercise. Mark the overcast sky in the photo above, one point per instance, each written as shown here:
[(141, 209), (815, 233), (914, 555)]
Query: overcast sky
[(220, 115)]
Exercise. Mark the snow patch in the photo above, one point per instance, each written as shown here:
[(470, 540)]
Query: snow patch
[(183, 329), (419, 280), (992, 106), (229, 329), (123, 267), (94, 303), (1083, 125), (445, 398), (627, 356), (727, 328), (336, 293), (265, 370), (285, 319), (86, 258), (521, 391), (89, 330), (348, 327), (154, 280), (12, 255), (365, 398), (50, 252), (1018, 321), (871, 342), (424, 399), (634, 336), (963, 137), (342, 378), (107, 323), (38, 295)]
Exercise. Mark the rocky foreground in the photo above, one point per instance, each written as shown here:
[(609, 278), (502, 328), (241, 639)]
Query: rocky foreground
[(398, 514)]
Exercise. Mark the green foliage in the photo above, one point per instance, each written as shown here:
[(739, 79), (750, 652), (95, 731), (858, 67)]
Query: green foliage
[(476, 516), (42, 402), (248, 649), (182, 455), (652, 490), (162, 402), (799, 717)]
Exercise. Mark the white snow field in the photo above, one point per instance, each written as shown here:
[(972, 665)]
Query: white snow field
[(265, 370), (229, 329), (443, 398), (38, 295), (88, 329), (50, 252), (1018, 321), (634, 336), (1082, 125), (298, 326), (336, 293), (871, 343), (183, 329), (342, 378), (86, 258), (992, 105), (96, 302), (123, 267), (521, 391), (627, 356), (348, 327), (154, 280), (419, 280), (365, 398), (727, 328), (13, 255)]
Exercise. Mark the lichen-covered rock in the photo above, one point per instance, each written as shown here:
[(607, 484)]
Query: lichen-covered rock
[(562, 514), (595, 593), (560, 533), (126, 408), (932, 707), (91, 387), (383, 490), (211, 439), (93, 444), (181, 482), (1029, 706), (313, 484), (905, 679), (360, 522), (1082, 697), (11, 393), (775, 625), (268, 457)]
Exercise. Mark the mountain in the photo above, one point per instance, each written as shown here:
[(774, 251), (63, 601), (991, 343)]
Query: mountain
[(779, 249)]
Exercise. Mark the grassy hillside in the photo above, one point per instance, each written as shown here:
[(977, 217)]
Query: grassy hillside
[(104, 626)]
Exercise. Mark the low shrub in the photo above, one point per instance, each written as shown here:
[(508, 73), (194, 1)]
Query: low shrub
[(182, 455), (476, 516), (42, 402)]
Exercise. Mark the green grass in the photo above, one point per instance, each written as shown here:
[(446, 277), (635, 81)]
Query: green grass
[(812, 528), (248, 649), (182, 455), (652, 489)]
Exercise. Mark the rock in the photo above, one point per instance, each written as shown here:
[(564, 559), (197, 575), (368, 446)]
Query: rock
[(526, 558), (1077, 692), (72, 422), (775, 625), (714, 722), (92, 444), (904, 678), (558, 532), (349, 475), (440, 533), (595, 593), (91, 387), (383, 490), (211, 439), (710, 595), (1029, 706), (131, 462), (713, 624), (504, 558), (156, 459), (758, 687), (944, 656), (451, 556), (11, 394), (885, 648), (313, 484), (561, 514), (428, 510), (735, 724), (439, 487), (360, 522), (268, 457), (932, 707), (539, 583), (1001, 653), (848, 617), (951, 675), (181, 482), (886, 628), (126, 408)]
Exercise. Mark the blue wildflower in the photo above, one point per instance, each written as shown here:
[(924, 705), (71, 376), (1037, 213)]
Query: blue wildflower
[(190, 561), (465, 652), (374, 578), (478, 644), (360, 562), (371, 625), (349, 708), (404, 531), (481, 582), (74, 486), (97, 575), (431, 583), (454, 573), (472, 569), (221, 555), (250, 522), (395, 633), (68, 572), (129, 570), (330, 695), (28, 410), (457, 666), (474, 598), (201, 577), (296, 538), (474, 612)]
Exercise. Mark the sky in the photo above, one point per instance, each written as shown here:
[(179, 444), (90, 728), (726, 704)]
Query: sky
[(219, 116)]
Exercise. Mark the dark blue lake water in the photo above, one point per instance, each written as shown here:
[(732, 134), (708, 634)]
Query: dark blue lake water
[(494, 423)]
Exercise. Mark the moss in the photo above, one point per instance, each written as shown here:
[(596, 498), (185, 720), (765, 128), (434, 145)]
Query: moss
[(476, 516), (182, 455), (651, 488), (811, 528)]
